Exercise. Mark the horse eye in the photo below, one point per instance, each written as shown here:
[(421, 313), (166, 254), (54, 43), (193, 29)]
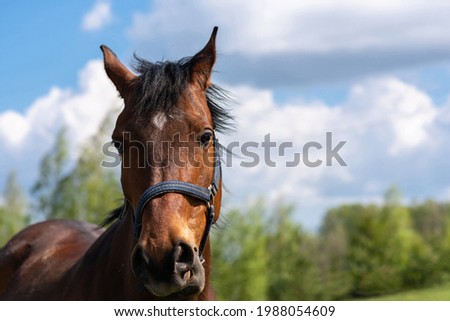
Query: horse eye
[(118, 145), (206, 138)]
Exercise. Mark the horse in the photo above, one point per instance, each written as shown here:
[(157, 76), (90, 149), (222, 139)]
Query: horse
[(156, 245)]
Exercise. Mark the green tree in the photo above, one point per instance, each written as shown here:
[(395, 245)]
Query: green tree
[(379, 248), (393, 196), (336, 279), (292, 259), (239, 256), (423, 266), (48, 190), (13, 212), (90, 190), (430, 220), (86, 191), (361, 250)]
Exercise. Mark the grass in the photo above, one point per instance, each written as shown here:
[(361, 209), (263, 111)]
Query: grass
[(436, 293)]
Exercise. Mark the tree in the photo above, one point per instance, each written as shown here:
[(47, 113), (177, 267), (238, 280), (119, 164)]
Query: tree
[(379, 248), (292, 259), (13, 213), (92, 190), (239, 256), (393, 196), (430, 220), (49, 189), (87, 191), (336, 279)]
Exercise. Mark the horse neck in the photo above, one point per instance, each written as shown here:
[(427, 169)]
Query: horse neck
[(106, 267)]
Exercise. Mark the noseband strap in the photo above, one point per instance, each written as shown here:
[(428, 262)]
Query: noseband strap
[(205, 194)]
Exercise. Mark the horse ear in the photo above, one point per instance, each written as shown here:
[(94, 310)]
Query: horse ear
[(120, 75), (203, 62)]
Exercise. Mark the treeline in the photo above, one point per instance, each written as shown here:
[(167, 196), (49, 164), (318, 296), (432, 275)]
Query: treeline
[(360, 251)]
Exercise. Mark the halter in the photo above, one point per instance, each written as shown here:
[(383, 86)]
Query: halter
[(205, 194)]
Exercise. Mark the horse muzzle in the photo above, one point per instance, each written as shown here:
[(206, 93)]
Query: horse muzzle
[(180, 273)]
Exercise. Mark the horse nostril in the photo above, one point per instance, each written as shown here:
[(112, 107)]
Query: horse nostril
[(140, 262), (183, 258)]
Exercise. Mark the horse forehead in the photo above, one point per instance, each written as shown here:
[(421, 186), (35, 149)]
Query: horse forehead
[(159, 120), (196, 107)]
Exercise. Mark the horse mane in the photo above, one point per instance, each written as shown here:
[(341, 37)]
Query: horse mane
[(112, 216), (159, 87)]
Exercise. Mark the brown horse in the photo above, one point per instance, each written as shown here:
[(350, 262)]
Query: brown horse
[(157, 246)]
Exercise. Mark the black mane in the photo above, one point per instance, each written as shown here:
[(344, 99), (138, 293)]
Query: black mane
[(160, 85)]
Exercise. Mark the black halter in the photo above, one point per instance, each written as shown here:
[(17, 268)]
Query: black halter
[(205, 194)]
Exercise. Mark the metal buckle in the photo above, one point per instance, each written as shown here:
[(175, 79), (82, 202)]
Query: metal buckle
[(213, 189)]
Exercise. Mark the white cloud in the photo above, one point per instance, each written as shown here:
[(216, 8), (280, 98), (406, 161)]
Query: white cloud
[(288, 44), (81, 111), (26, 137), (389, 127), (399, 111), (261, 27), (98, 17), (13, 127)]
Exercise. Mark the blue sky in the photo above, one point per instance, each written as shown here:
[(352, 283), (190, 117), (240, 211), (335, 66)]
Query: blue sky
[(377, 75), (43, 44)]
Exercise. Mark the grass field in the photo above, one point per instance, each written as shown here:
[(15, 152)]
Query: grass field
[(437, 293)]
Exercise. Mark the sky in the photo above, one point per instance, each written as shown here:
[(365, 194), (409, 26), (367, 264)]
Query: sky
[(376, 76)]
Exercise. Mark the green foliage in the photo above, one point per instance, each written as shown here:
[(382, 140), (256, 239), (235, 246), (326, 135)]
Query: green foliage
[(50, 189), (430, 220), (423, 266), (393, 196), (361, 250), (85, 192), (264, 256), (89, 191), (13, 215), (371, 260), (240, 261), (439, 292), (336, 279), (292, 271), (383, 251)]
